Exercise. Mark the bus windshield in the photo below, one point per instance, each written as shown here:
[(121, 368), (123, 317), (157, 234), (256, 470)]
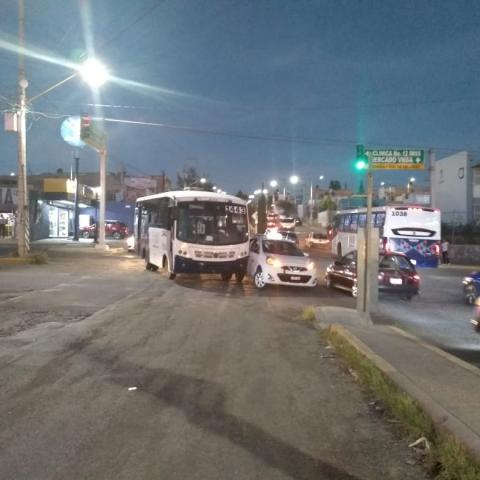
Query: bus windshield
[(212, 223)]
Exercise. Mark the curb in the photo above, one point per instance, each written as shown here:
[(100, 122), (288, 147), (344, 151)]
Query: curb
[(13, 261), (443, 420)]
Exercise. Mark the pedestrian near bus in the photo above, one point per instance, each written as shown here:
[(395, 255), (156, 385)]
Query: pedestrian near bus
[(3, 226), (445, 257)]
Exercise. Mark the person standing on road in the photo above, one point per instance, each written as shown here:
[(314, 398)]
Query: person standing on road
[(3, 226), (445, 257)]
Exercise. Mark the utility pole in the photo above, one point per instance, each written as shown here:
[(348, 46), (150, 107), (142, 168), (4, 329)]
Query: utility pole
[(103, 193), (311, 203), (23, 217), (77, 194), (433, 178), (367, 252)]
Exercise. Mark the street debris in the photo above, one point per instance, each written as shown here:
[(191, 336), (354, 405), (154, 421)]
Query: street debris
[(420, 446), (328, 356), (354, 374), (131, 388)]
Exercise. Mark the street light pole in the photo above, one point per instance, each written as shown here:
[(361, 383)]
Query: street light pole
[(103, 191), (77, 193), (22, 221)]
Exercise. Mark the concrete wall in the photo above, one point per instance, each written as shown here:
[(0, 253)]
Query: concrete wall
[(453, 188), (465, 254)]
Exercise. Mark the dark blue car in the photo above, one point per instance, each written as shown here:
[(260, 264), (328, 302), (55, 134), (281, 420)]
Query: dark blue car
[(471, 287)]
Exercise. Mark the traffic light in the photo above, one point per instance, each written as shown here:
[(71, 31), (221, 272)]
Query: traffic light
[(85, 124), (361, 162)]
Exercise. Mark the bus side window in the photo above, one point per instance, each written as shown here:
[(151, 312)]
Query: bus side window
[(163, 213), (380, 219), (362, 220), (337, 222), (353, 222), (346, 223)]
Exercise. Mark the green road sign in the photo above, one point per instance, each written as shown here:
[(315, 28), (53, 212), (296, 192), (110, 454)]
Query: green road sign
[(92, 135), (393, 159)]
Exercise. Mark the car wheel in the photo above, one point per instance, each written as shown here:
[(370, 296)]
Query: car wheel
[(339, 250), (408, 297), (226, 276), (470, 294), (355, 290), (86, 234), (171, 276), (239, 276), (328, 281), (259, 279), (117, 235)]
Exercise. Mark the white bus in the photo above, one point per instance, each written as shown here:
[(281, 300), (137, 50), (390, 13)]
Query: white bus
[(412, 230), (193, 232)]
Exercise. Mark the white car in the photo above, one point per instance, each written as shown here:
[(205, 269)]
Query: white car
[(279, 262), (287, 223), (315, 240)]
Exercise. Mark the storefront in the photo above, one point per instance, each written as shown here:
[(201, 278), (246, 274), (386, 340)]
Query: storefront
[(8, 207), (55, 210)]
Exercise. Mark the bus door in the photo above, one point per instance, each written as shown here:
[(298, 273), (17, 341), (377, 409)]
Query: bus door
[(159, 231)]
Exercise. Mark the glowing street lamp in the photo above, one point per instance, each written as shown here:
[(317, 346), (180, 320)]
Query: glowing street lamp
[(273, 183), (294, 179), (321, 177), (94, 72)]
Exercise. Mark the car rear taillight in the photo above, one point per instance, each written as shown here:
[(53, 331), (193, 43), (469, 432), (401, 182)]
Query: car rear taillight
[(386, 245), (416, 278)]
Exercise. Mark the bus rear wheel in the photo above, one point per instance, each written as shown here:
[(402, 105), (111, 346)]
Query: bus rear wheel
[(148, 265), (226, 276)]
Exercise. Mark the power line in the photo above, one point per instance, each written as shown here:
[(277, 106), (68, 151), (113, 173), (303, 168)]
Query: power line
[(131, 24), (263, 137)]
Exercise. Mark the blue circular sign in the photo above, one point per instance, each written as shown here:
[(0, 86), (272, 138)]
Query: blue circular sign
[(70, 131)]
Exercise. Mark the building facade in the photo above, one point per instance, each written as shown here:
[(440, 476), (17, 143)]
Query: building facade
[(455, 184)]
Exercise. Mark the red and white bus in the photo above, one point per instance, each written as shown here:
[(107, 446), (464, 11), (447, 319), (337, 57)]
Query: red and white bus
[(412, 230)]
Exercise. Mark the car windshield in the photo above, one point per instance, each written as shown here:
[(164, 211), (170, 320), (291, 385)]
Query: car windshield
[(396, 262), (212, 223), (281, 247)]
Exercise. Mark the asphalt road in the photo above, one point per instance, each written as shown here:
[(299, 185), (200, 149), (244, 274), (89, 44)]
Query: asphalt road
[(112, 372), (438, 315)]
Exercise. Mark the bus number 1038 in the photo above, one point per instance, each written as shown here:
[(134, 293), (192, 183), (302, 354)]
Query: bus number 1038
[(399, 213)]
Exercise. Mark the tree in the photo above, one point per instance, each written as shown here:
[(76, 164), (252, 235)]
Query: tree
[(262, 214), (189, 177), (287, 207), (335, 185), (361, 188), (241, 195), (328, 204)]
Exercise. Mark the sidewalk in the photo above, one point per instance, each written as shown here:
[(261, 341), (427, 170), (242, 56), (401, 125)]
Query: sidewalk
[(447, 388)]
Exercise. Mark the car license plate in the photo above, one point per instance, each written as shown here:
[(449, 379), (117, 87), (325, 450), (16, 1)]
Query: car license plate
[(396, 281), (294, 278)]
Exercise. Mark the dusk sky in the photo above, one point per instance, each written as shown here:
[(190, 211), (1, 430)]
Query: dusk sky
[(281, 87)]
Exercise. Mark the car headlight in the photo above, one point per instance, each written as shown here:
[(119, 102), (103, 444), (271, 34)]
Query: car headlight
[(310, 266), (274, 262), (467, 280)]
